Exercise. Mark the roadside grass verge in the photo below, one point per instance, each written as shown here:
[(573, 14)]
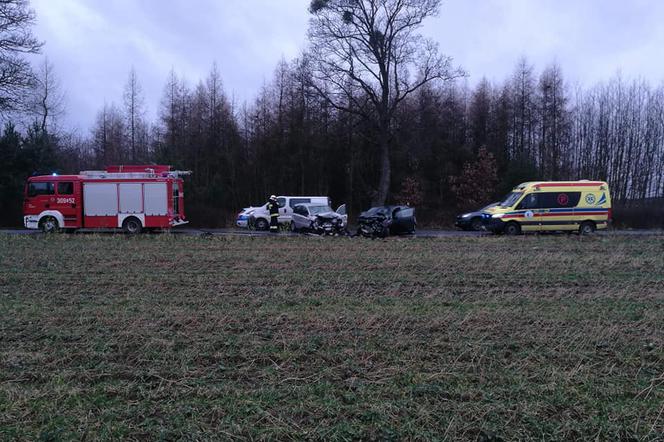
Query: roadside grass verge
[(174, 337)]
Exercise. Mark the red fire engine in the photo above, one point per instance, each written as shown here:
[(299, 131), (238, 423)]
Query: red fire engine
[(129, 197)]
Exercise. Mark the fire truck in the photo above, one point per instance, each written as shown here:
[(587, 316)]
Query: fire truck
[(133, 198)]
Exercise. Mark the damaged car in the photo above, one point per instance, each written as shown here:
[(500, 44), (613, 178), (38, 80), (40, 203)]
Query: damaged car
[(319, 219), (380, 222)]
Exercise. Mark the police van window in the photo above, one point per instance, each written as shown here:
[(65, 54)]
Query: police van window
[(300, 210), (295, 201), (65, 188), (281, 202), (35, 189)]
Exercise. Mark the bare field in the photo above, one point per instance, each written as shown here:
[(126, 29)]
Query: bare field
[(172, 337)]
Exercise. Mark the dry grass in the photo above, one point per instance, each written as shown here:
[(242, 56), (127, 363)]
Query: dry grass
[(171, 337)]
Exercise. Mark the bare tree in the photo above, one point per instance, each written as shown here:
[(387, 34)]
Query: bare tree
[(368, 58), (554, 124), (16, 40), (524, 119), (173, 112), (134, 104), (47, 102), (479, 115), (107, 136)]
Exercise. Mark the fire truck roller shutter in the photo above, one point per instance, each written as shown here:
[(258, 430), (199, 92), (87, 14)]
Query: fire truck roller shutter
[(131, 198), (131, 202), (100, 199), (155, 196)]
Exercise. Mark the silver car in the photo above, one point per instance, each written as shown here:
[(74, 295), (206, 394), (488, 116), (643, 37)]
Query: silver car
[(319, 218)]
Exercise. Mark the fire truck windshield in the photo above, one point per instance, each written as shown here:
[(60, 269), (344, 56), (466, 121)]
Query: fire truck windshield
[(35, 189)]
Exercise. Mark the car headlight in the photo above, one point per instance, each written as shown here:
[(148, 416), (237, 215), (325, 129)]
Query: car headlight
[(465, 215)]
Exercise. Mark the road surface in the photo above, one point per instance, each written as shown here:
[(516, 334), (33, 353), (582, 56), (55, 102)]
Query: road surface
[(244, 232)]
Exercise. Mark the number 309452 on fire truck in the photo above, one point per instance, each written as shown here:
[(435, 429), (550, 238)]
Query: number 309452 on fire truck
[(133, 198)]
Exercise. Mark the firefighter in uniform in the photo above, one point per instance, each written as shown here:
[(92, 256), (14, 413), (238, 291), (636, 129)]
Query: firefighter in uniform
[(273, 207)]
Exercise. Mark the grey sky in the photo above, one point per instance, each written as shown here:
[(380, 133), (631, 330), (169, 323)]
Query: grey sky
[(94, 43)]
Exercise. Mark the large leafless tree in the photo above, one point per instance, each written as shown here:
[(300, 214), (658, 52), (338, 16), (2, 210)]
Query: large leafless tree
[(134, 104), (16, 40), (368, 57), (47, 102)]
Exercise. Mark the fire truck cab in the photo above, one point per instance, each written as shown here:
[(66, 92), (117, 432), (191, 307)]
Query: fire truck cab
[(129, 197)]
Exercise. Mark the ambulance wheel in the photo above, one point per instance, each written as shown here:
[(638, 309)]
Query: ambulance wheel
[(132, 225), (49, 225), (512, 228), (261, 224), (587, 228)]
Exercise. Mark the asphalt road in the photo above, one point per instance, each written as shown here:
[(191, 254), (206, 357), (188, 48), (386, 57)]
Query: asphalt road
[(244, 232)]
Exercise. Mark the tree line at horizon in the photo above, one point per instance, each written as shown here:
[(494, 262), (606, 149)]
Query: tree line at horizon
[(449, 144)]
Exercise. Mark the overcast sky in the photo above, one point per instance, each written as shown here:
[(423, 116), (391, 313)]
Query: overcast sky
[(94, 43)]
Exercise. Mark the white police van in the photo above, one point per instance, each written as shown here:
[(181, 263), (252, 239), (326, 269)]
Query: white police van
[(259, 217)]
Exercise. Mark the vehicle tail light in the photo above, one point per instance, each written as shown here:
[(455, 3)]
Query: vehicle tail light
[(610, 219)]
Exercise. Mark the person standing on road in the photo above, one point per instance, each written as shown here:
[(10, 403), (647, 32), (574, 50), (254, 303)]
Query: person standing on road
[(273, 207)]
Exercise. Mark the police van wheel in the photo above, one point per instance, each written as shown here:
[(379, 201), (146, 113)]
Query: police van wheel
[(132, 226), (587, 228), (49, 225), (512, 229), (261, 224)]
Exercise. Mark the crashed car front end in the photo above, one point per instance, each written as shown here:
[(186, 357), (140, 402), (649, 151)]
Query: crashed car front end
[(330, 223), (374, 226)]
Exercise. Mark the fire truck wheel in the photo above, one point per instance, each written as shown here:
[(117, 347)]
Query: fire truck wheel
[(49, 224), (132, 225)]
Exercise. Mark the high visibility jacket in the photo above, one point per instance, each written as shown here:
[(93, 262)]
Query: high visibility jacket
[(273, 207)]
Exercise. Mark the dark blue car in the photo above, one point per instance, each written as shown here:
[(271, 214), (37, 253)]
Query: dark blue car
[(472, 220)]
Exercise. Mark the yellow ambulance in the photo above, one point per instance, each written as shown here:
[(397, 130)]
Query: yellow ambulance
[(539, 206)]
